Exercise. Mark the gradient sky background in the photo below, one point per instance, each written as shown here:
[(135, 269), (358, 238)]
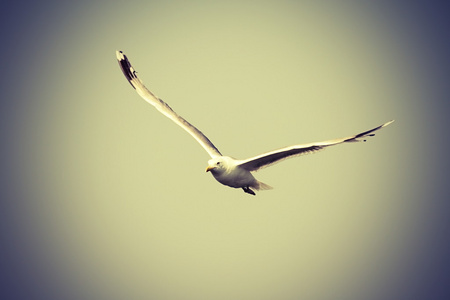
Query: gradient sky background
[(104, 198)]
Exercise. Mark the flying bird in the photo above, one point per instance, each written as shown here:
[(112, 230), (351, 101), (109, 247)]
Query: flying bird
[(232, 172)]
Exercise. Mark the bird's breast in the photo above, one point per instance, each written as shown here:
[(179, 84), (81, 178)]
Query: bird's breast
[(235, 177)]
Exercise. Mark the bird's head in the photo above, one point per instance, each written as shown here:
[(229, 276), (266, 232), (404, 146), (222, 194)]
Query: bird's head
[(217, 165)]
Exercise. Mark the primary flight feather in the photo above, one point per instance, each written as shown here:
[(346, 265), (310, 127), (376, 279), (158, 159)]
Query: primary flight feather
[(229, 171)]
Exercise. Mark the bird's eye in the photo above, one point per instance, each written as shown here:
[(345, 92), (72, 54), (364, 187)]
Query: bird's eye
[(218, 163)]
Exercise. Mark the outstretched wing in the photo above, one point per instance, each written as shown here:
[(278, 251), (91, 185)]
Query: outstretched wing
[(163, 107), (269, 158)]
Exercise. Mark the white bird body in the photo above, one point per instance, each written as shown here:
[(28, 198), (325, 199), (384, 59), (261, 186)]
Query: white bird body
[(226, 170)]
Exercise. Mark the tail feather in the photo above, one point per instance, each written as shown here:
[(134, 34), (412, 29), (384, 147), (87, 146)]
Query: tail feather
[(257, 185), (262, 186)]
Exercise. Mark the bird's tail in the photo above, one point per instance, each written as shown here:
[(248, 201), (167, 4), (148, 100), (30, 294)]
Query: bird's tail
[(256, 185), (261, 186)]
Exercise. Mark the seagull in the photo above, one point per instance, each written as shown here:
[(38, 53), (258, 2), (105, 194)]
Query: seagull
[(228, 171)]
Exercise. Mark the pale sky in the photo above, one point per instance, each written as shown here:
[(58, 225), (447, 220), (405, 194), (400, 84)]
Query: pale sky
[(114, 199)]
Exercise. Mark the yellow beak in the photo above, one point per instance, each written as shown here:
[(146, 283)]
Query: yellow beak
[(209, 168)]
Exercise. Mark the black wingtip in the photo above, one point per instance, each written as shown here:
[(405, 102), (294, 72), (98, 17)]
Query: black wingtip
[(126, 67)]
